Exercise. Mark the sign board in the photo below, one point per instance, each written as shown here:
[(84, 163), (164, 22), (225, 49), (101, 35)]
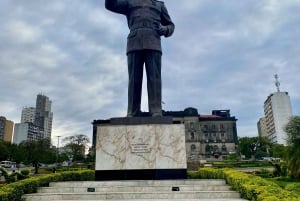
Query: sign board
[(140, 148)]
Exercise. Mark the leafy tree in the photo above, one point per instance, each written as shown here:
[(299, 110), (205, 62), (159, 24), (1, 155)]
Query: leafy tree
[(209, 149), (77, 145), (63, 157), (10, 151), (38, 152), (15, 153), (254, 147), (293, 131), (234, 157), (91, 156), (278, 151), (4, 153)]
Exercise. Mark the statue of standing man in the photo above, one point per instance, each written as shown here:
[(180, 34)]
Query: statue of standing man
[(147, 20)]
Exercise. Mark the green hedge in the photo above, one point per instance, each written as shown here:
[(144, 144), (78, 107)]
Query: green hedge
[(14, 191), (240, 164), (250, 187)]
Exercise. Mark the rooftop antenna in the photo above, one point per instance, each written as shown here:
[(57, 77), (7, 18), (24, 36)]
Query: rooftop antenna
[(277, 83)]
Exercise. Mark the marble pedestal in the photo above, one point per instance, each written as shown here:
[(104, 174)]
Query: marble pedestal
[(140, 152)]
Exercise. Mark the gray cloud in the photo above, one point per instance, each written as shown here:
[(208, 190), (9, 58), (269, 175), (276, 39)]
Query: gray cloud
[(223, 55)]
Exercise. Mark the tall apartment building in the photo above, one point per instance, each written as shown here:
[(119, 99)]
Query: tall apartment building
[(43, 114), (28, 115), (6, 129), (278, 111)]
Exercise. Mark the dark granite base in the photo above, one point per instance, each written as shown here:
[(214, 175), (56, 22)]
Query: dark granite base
[(158, 174), (141, 120)]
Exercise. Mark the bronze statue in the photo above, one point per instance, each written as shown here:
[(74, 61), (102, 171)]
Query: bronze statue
[(147, 20)]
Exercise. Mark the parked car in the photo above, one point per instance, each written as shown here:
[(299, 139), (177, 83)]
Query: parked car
[(8, 164)]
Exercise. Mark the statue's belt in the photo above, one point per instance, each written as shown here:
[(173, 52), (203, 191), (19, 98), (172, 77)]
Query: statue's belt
[(144, 24)]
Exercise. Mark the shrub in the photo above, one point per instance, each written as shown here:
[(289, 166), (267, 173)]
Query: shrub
[(14, 191), (25, 172), (250, 187), (264, 173), (3, 172), (207, 173)]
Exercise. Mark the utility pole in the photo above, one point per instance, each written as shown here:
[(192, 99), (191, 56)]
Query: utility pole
[(57, 149)]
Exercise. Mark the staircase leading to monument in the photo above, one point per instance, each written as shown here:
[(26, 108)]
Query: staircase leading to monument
[(144, 190)]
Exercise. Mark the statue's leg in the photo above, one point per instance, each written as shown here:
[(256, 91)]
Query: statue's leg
[(135, 72), (153, 70)]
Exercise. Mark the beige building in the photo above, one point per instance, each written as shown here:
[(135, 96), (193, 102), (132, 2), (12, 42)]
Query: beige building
[(207, 137), (6, 129), (262, 127)]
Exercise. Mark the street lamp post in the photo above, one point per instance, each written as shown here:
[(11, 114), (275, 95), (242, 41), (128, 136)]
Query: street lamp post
[(57, 149)]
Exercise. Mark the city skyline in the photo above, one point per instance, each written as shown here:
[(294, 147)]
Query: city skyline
[(223, 55), (36, 122)]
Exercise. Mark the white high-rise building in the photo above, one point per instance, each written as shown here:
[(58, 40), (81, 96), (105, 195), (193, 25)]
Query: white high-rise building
[(27, 131), (28, 115), (278, 111)]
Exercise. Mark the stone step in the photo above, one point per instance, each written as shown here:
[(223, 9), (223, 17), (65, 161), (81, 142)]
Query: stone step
[(198, 182), (132, 195), (202, 199), (140, 190), (165, 188)]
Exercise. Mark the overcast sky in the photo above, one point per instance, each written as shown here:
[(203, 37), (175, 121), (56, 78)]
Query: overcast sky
[(223, 55)]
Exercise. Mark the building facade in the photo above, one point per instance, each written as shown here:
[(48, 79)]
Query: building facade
[(28, 115), (6, 129), (212, 136), (27, 131), (278, 111), (43, 114), (36, 122), (262, 127), (207, 137)]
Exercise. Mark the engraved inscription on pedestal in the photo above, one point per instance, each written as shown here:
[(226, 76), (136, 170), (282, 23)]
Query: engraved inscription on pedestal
[(140, 148)]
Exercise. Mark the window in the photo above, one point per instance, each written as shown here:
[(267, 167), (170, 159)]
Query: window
[(192, 135), (193, 147), (216, 148), (205, 128), (224, 148), (191, 125)]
